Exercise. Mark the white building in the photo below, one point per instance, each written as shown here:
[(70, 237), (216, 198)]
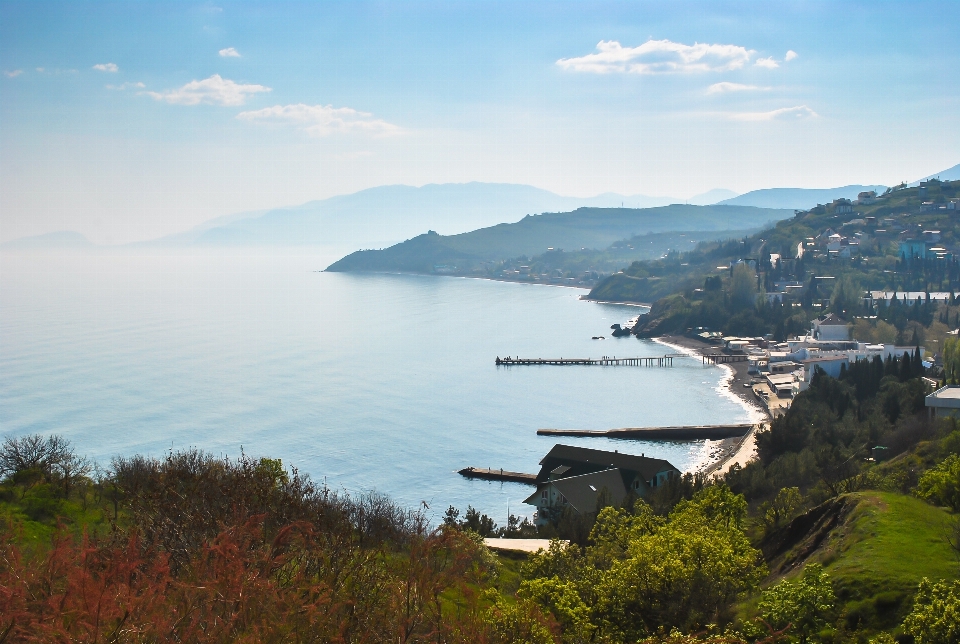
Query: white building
[(944, 402), (830, 328)]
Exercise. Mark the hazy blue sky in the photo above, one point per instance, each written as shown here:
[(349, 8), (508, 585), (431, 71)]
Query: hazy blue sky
[(134, 119)]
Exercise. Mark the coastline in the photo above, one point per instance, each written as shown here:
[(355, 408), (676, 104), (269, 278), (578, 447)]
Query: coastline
[(729, 451)]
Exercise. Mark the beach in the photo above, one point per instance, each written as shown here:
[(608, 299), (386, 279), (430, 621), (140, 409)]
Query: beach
[(731, 451)]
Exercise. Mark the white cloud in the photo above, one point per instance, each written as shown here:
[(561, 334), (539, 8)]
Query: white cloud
[(212, 91), (126, 86), (107, 67), (323, 120), (782, 114), (768, 62), (790, 55), (13, 74), (229, 52), (659, 57), (724, 87)]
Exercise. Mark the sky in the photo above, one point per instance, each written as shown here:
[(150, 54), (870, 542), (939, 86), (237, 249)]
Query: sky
[(131, 120)]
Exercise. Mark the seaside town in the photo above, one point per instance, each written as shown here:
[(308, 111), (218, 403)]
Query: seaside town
[(479, 322)]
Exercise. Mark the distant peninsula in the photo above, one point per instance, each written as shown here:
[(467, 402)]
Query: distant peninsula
[(566, 246)]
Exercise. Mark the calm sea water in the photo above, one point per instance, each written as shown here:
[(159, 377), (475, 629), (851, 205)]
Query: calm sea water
[(382, 382)]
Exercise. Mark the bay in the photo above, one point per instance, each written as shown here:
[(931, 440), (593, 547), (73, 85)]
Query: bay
[(366, 382)]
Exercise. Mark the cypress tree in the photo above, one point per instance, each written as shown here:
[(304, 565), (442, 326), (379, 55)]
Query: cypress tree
[(905, 368)]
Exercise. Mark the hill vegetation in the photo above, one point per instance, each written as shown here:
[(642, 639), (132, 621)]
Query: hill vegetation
[(482, 252), (718, 285)]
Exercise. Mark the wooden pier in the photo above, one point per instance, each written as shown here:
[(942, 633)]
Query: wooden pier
[(488, 474), (605, 361), (724, 358), (684, 433)]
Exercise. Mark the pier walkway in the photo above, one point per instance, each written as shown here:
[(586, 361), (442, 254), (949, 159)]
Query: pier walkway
[(606, 361)]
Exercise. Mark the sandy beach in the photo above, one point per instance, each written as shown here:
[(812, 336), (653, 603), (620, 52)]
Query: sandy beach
[(730, 451)]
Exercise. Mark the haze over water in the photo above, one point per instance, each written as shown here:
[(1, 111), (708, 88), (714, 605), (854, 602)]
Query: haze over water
[(382, 382)]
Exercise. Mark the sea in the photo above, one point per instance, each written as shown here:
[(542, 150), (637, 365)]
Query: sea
[(366, 382)]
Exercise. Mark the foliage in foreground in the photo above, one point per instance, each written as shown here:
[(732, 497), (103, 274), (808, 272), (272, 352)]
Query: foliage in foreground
[(642, 573), (936, 613), (207, 550)]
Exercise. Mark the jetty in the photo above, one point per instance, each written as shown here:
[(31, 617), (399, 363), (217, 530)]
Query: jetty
[(605, 361), (682, 433), (489, 474)]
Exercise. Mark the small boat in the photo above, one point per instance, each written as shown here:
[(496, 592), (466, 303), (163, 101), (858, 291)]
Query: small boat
[(598, 337)]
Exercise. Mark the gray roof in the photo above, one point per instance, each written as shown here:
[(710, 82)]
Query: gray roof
[(582, 491), (599, 459)]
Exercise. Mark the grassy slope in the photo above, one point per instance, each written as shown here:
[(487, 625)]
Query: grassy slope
[(36, 512), (878, 555), (890, 542)]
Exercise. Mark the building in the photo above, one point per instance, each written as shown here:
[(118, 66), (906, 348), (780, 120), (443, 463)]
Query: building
[(841, 206), (578, 476), (784, 385), (867, 198), (830, 328), (944, 402)]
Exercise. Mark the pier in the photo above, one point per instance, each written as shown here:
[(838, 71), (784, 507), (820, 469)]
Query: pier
[(605, 361), (683, 433), (724, 358), (488, 474)]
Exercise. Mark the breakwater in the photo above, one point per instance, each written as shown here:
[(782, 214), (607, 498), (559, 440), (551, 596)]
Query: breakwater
[(490, 474), (683, 433)]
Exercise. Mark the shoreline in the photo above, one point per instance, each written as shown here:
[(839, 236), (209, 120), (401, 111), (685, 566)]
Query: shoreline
[(728, 451)]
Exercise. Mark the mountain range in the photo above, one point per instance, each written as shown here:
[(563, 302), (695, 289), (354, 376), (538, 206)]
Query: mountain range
[(382, 216)]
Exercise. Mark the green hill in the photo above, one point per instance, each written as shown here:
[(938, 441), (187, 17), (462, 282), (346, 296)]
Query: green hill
[(876, 546), (594, 228)]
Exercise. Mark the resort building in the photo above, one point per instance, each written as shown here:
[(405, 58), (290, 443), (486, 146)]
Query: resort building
[(830, 328), (944, 402), (577, 477)]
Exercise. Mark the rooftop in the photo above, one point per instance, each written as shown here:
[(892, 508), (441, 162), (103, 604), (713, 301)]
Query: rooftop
[(568, 454)]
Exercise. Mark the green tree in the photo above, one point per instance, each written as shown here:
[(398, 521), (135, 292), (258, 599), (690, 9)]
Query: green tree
[(935, 618), (775, 512), (743, 287), (951, 360), (804, 604), (941, 484), (846, 297), (563, 599), (641, 572)]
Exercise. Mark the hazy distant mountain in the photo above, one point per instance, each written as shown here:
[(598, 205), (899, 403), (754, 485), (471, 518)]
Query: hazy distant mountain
[(950, 174), (63, 239), (711, 197), (594, 228), (797, 198), (384, 215)]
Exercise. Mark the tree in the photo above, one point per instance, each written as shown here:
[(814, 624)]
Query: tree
[(773, 513), (935, 618), (941, 484), (641, 572), (743, 287), (846, 296), (804, 605)]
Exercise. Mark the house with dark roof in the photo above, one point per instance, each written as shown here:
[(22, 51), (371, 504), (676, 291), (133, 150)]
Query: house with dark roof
[(577, 477)]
